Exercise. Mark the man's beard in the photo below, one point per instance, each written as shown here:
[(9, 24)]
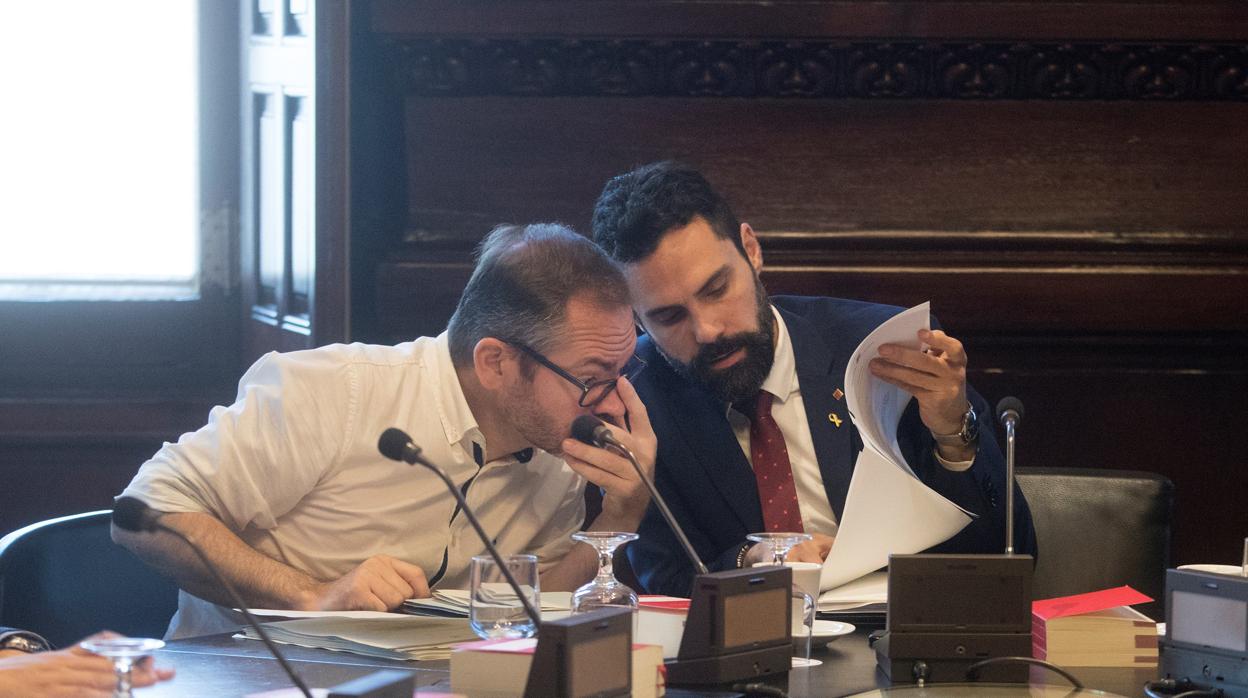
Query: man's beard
[(535, 426), (743, 379)]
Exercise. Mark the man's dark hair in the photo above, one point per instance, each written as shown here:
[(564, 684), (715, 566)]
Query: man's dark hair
[(520, 289), (637, 208)]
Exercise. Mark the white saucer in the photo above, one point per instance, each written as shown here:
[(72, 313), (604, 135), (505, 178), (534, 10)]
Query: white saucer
[(1233, 570), (825, 631)]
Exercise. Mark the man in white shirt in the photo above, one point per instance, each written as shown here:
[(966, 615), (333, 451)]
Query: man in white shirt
[(286, 491), (745, 394)]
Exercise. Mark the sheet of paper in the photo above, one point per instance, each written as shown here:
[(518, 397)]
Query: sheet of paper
[(456, 600), (409, 637), (887, 510), (288, 613), (876, 406), (864, 591)]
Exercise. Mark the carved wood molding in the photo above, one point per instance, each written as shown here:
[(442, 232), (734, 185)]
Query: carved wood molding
[(820, 69)]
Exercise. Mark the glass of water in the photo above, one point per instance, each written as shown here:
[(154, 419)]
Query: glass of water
[(494, 609), (124, 651)]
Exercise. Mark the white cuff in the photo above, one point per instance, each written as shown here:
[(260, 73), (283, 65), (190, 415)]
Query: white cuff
[(955, 466)]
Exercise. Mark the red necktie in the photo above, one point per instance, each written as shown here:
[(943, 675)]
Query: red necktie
[(776, 492)]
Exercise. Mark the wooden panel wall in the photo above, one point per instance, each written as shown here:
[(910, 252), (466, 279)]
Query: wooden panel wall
[(1065, 181)]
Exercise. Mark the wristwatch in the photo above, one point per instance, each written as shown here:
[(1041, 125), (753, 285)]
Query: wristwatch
[(22, 641), (964, 436)]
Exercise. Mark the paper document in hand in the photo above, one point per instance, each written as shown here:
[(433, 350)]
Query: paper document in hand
[(874, 405), (887, 510)]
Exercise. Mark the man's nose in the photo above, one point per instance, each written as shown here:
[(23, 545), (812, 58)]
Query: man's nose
[(707, 329), (611, 408)]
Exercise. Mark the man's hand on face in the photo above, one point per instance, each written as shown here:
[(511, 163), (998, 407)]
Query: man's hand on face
[(380, 583), (936, 377), (814, 550), (70, 672), (626, 496)]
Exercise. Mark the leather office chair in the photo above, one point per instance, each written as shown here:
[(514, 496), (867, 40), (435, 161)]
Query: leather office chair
[(65, 579), (1098, 529)]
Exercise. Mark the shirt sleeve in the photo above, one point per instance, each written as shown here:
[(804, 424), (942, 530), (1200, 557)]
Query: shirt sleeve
[(256, 459)]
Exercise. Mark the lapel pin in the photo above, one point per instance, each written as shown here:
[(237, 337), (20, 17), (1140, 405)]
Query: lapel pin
[(834, 419), (837, 394)]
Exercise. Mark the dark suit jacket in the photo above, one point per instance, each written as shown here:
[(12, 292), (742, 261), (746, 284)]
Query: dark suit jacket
[(709, 485)]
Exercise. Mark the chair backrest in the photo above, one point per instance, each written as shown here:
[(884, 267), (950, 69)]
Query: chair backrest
[(65, 579), (1097, 529)]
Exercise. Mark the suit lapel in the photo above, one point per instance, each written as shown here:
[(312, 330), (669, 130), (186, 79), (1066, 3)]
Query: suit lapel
[(702, 421), (819, 375)]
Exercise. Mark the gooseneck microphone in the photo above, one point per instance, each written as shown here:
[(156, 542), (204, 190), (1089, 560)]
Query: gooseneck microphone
[(395, 444), (1009, 414), (588, 429), (130, 514)]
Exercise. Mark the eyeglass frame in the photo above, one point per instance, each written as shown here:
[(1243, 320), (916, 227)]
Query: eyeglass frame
[(585, 387)]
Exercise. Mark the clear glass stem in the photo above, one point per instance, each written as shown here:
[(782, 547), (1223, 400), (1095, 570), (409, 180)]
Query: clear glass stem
[(808, 620), (121, 667), (606, 563)]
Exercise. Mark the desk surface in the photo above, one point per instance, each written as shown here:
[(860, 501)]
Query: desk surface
[(220, 666)]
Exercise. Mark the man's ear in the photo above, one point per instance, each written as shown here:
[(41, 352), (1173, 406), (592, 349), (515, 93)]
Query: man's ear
[(753, 250), (490, 361)]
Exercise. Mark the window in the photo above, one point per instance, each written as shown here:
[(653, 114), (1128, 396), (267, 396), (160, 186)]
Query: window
[(119, 180), (100, 142)]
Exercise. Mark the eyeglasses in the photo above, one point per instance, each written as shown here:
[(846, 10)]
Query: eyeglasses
[(592, 392)]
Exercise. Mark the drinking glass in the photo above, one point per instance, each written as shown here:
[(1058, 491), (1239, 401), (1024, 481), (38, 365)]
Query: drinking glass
[(780, 543), (605, 591), (803, 602), (494, 610), (123, 651)]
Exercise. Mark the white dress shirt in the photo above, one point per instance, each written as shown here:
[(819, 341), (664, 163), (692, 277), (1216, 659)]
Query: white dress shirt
[(292, 467), (789, 411)]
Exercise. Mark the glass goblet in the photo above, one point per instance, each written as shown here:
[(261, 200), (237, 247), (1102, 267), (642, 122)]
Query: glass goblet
[(605, 591), (123, 651), (780, 543)]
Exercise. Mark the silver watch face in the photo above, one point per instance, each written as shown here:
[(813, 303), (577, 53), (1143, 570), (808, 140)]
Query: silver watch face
[(970, 426), (22, 643)]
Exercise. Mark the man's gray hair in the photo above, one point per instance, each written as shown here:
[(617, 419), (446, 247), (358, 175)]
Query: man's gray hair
[(522, 284)]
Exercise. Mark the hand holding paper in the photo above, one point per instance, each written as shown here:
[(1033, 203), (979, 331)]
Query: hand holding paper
[(888, 509)]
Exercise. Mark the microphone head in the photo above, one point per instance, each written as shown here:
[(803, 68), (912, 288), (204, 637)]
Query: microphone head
[(130, 514), (393, 443), (1010, 404), (588, 429)]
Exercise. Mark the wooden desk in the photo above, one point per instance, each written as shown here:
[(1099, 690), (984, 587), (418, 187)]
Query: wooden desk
[(220, 666)]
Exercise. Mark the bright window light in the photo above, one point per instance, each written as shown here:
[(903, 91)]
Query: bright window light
[(98, 150)]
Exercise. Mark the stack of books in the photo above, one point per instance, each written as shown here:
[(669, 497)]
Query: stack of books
[(500, 669), (1098, 629)]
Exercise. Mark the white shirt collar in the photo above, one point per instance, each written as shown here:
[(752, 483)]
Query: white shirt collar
[(458, 422), (782, 380)]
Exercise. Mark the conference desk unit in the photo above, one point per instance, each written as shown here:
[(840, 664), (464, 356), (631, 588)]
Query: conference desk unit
[(219, 666)]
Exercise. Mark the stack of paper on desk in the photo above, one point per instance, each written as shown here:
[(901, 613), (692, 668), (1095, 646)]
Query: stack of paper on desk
[(398, 637), (867, 594), (453, 603), (888, 509)]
